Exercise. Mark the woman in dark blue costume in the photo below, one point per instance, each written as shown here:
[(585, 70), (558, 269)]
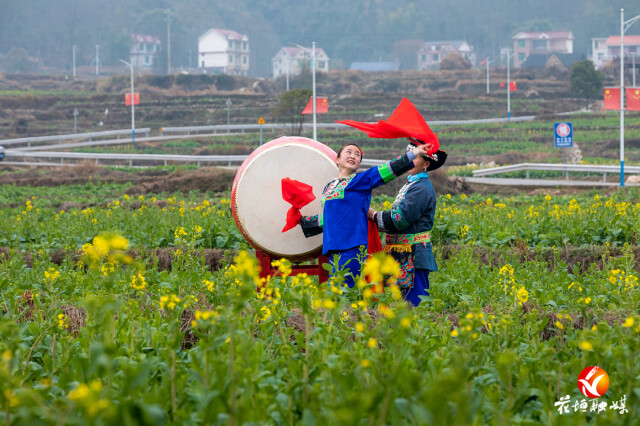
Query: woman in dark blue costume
[(408, 225), (345, 203)]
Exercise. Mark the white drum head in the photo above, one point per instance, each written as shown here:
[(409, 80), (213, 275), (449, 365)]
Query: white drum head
[(256, 197)]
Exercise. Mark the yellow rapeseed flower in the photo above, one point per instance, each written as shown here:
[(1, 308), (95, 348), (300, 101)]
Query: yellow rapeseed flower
[(80, 393), (522, 295), (10, 398), (107, 268), (454, 332), (329, 304), (169, 302), (138, 282), (51, 274), (209, 284), (586, 346), (628, 322), (387, 311)]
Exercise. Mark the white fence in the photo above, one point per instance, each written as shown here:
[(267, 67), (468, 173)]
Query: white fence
[(566, 168), (28, 157), (73, 137)]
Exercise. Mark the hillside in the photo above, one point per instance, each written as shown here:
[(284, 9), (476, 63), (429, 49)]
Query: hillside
[(43, 105)]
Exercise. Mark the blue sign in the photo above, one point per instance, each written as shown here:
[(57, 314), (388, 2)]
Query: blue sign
[(563, 135)]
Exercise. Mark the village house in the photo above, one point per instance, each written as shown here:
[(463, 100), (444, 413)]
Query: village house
[(526, 44), (291, 61), (224, 51), (143, 51), (605, 49), (599, 53), (432, 53)]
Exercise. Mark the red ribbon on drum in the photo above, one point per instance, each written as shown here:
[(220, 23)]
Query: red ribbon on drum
[(297, 194)]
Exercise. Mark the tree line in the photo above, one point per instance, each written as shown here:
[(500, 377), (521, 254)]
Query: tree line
[(357, 30)]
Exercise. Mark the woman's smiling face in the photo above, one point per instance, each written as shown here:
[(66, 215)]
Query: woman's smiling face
[(349, 158)]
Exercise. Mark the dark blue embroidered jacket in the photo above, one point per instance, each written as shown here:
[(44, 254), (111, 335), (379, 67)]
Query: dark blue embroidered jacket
[(412, 212)]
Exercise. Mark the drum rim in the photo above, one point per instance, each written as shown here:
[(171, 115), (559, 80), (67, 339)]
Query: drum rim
[(283, 140)]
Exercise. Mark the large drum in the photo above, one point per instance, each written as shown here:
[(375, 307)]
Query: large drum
[(256, 197)]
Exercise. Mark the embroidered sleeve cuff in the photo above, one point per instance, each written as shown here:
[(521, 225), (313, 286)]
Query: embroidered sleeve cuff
[(394, 221), (378, 220), (311, 225), (395, 167)]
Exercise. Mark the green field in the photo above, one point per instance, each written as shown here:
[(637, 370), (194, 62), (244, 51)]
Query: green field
[(142, 309)]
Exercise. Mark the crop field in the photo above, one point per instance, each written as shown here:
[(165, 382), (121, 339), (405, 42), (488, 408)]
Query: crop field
[(123, 308)]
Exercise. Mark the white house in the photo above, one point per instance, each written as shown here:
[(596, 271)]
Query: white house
[(291, 60), (599, 54), (433, 52), (225, 51), (143, 51)]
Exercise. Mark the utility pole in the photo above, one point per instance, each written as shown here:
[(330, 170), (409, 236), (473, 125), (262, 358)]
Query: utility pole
[(487, 74), (97, 59), (75, 119), (288, 61), (133, 113), (313, 68), (508, 87), (74, 60), (168, 41)]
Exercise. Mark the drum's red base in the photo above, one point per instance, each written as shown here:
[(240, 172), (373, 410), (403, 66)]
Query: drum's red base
[(265, 259)]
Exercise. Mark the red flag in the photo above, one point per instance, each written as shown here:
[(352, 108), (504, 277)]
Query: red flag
[(136, 99), (322, 106), (501, 84), (633, 99), (513, 86), (405, 122), (612, 98), (297, 194)]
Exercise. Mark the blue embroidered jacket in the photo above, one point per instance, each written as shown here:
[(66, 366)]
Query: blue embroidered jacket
[(412, 212), (345, 204)]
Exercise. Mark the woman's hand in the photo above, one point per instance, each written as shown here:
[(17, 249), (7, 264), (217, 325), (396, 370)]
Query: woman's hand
[(371, 213), (421, 149)]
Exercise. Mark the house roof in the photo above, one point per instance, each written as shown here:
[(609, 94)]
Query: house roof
[(628, 39), (294, 52), (375, 66), (145, 38), (455, 43), (545, 35), (228, 34)]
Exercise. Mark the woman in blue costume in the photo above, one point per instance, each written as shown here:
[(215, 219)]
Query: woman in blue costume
[(345, 203), (408, 225)]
